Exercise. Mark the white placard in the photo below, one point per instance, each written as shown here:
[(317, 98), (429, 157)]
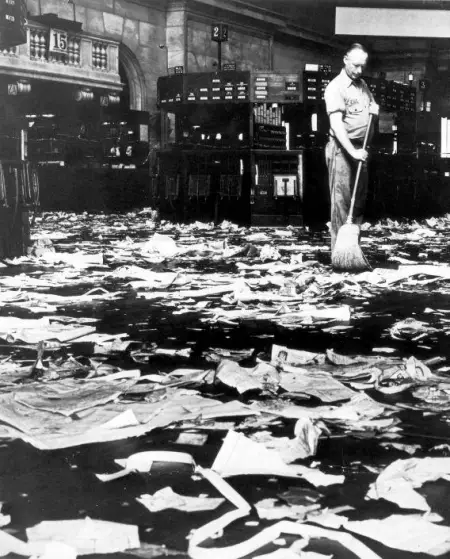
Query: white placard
[(285, 185), (58, 41), (143, 132), (387, 22)]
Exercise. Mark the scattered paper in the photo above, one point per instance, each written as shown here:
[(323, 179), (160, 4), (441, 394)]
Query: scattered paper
[(143, 462), (68, 396), (167, 499), (241, 456), (232, 375), (60, 390), (397, 482), (319, 384), (410, 532), (86, 536), (265, 537)]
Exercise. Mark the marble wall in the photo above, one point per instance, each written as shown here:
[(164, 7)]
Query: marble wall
[(248, 48), (176, 36)]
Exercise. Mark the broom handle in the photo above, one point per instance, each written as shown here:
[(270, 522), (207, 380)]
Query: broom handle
[(358, 170)]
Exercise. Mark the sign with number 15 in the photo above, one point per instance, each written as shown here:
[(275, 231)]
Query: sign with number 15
[(58, 41)]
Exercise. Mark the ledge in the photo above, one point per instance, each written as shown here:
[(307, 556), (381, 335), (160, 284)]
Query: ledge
[(19, 63), (19, 67)]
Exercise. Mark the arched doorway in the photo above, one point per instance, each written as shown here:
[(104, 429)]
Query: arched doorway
[(133, 78), (125, 102)]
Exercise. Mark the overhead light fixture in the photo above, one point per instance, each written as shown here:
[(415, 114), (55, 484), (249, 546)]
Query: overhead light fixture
[(84, 94), (113, 98), (21, 87)]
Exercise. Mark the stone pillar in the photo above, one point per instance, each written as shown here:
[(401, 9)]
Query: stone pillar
[(113, 58), (176, 35)]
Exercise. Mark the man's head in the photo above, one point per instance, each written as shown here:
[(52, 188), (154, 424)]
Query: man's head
[(355, 61)]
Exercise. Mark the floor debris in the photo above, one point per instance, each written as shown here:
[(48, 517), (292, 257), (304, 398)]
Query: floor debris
[(210, 367)]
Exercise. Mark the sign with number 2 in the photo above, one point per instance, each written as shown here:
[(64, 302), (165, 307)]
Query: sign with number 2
[(219, 32)]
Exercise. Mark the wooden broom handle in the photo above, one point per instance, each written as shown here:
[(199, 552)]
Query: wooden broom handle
[(358, 170)]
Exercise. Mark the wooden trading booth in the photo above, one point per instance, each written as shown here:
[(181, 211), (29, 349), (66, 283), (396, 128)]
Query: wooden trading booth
[(227, 150), (249, 146), (19, 184)]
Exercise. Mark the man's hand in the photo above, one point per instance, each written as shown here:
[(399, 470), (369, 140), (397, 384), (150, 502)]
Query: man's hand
[(360, 154)]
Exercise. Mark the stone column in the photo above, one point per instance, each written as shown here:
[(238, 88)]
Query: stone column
[(176, 30), (86, 53), (113, 58)]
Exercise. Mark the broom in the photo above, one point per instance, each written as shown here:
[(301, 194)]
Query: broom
[(347, 254)]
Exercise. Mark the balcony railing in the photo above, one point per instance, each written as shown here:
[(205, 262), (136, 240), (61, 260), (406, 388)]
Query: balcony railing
[(11, 51), (39, 50), (86, 58), (100, 56)]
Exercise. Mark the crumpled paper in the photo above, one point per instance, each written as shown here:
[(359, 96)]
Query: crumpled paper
[(87, 536), (167, 499), (397, 482)]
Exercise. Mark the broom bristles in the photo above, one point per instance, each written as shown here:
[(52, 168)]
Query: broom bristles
[(347, 254)]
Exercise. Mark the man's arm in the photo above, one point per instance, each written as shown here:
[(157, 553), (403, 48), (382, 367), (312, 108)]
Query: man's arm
[(337, 125)]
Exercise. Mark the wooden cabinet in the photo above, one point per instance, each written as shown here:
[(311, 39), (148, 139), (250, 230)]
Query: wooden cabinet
[(225, 156)]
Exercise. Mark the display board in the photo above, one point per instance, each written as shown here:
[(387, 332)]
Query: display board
[(236, 86), (170, 90), (378, 87), (393, 96), (401, 97), (204, 87), (276, 87), (390, 95), (314, 84), (12, 23), (218, 87)]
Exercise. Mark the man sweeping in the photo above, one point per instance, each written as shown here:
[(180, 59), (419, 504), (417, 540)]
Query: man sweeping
[(349, 103)]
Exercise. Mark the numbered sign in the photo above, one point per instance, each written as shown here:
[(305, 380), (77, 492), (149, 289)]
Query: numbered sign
[(424, 84), (219, 32), (175, 70), (58, 41)]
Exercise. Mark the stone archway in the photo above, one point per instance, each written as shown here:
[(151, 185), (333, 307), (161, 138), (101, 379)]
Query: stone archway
[(135, 78)]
